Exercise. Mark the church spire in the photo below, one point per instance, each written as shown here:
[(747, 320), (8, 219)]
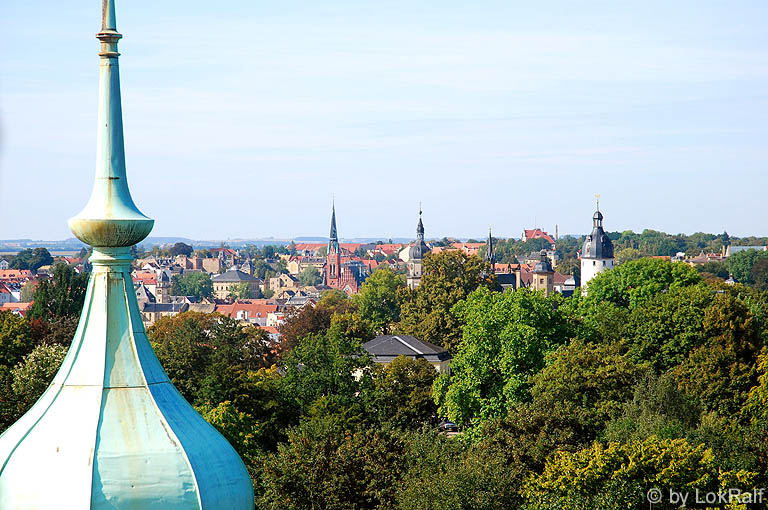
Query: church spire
[(420, 227), (333, 238), (112, 430), (490, 254)]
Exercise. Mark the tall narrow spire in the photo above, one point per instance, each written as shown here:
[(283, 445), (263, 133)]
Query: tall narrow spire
[(490, 254), (112, 431), (333, 238), (420, 227), (110, 219)]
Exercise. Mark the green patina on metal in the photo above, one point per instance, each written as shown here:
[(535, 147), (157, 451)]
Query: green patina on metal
[(112, 432)]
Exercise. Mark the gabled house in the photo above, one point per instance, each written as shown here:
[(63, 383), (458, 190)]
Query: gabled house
[(385, 348)]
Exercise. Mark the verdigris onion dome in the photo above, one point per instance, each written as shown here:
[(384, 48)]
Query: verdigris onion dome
[(111, 431)]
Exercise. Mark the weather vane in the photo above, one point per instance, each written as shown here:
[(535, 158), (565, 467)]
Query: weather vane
[(597, 197)]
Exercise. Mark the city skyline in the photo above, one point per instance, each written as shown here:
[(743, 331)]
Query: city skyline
[(245, 123)]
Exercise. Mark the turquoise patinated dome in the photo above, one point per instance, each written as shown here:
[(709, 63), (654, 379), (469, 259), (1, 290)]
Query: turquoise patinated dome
[(112, 432)]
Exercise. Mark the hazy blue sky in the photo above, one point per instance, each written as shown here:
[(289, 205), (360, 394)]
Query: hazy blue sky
[(242, 119)]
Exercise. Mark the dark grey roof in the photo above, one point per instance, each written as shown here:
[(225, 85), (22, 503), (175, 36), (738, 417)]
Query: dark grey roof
[(234, 275), (506, 280), (165, 307), (419, 248), (543, 265), (143, 294), (387, 347), (597, 245)]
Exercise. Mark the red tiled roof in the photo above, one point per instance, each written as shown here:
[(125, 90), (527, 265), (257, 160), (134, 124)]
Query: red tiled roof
[(254, 307), (309, 246), (14, 274), (21, 307), (537, 233)]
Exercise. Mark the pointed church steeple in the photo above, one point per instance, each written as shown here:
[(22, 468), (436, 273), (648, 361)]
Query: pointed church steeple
[(490, 253), (111, 431), (333, 238), (420, 227)]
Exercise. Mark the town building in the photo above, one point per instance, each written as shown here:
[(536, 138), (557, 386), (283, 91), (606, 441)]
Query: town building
[(596, 253), (230, 281), (385, 348), (283, 282), (537, 233)]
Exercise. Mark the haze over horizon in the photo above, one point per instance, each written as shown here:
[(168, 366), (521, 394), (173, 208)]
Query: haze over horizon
[(244, 122)]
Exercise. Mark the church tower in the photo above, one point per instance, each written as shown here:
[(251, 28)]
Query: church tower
[(543, 274), (416, 256), (111, 431), (597, 252), (333, 259), (490, 252), (163, 287)]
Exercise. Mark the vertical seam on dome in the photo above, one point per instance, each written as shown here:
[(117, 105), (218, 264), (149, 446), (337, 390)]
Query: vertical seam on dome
[(89, 294), (166, 425)]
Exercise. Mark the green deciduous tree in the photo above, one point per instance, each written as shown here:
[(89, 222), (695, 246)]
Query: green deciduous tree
[(449, 277), (33, 375), (180, 249), (402, 394), (719, 374), (322, 367), (740, 264), (15, 338), (310, 276), (377, 300), (616, 476), (664, 328), (324, 466), (197, 284), (715, 269), (61, 296), (627, 255), (657, 408), (505, 338), (759, 273), (205, 355), (590, 382), (313, 319), (239, 428), (447, 474), (32, 259), (631, 283)]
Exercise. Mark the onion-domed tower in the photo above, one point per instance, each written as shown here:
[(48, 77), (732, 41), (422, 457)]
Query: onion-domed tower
[(111, 431), (416, 254), (596, 253), (543, 274)]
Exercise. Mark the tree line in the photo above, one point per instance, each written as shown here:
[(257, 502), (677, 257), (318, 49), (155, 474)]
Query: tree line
[(655, 379)]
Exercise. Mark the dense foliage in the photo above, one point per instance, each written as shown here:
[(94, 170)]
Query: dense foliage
[(656, 379), (197, 284)]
